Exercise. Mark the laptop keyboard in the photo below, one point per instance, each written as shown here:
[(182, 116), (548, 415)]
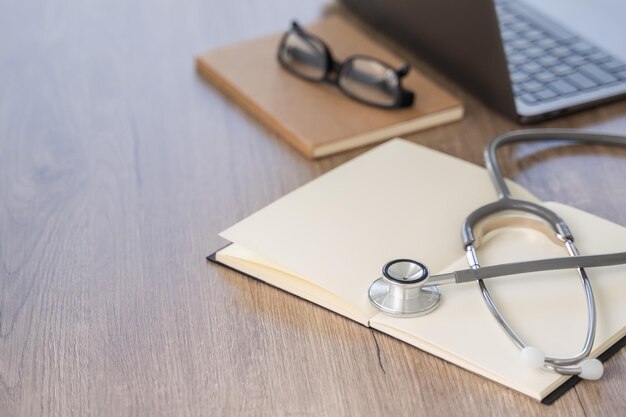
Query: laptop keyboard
[(547, 62)]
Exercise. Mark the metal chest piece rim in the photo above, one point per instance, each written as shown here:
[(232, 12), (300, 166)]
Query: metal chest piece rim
[(399, 292)]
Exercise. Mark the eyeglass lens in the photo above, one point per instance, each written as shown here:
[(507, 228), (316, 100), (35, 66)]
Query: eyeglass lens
[(305, 56), (370, 80)]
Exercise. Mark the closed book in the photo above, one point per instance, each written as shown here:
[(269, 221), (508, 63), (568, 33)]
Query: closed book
[(317, 118)]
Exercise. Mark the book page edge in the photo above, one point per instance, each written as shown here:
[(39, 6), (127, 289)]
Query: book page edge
[(421, 123), (241, 268)]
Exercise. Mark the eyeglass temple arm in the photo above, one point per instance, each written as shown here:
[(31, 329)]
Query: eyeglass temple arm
[(296, 26)]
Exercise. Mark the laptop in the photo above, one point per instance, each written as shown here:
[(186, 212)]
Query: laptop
[(530, 60)]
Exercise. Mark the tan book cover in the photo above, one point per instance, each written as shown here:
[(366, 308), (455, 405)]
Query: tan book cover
[(317, 118), (327, 241)]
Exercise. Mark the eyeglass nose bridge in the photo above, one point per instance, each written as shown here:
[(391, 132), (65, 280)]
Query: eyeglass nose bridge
[(333, 70)]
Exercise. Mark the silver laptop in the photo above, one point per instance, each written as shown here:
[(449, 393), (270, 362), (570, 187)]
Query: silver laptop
[(531, 60)]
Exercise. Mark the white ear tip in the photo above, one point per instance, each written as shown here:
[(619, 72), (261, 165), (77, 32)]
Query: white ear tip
[(533, 357), (591, 369)]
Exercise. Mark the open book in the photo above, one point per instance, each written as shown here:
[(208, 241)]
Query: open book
[(327, 241)]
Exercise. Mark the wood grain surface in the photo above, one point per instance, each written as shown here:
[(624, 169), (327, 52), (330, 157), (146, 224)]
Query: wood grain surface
[(119, 166)]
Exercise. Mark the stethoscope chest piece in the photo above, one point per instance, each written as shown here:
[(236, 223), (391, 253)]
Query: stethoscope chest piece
[(400, 291)]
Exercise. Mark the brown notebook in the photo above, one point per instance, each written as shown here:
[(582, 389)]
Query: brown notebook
[(317, 118)]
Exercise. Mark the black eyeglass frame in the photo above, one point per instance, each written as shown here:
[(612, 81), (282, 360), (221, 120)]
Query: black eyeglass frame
[(403, 99)]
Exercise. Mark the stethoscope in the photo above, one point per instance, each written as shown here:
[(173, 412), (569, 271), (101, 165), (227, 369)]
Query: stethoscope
[(407, 290)]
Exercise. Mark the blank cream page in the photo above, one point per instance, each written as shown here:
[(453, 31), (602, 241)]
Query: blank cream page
[(251, 264), (398, 200), (546, 309)]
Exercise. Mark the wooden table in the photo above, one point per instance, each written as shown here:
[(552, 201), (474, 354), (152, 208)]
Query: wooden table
[(119, 166)]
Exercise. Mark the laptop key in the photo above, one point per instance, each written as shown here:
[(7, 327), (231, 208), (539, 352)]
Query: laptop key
[(546, 43), (562, 69), (545, 94), (544, 76), (534, 51), (505, 18), (516, 59), (581, 81), (560, 51), (548, 61), (518, 77), (528, 98), (532, 86), (597, 73), (613, 65), (621, 75), (508, 35), (531, 67), (562, 87), (575, 60), (598, 57), (521, 26), (583, 47), (520, 43), (533, 35)]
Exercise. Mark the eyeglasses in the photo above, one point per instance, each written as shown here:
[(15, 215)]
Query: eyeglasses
[(362, 78)]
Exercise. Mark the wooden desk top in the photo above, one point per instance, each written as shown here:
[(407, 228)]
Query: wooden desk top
[(119, 166)]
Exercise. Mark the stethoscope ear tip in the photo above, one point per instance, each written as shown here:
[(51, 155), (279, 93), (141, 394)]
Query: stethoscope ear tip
[(533, 357), (591, 369)]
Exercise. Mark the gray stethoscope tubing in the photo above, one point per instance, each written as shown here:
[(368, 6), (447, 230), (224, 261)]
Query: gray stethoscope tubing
[(506, 202), (539, 135), (407, 290)]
